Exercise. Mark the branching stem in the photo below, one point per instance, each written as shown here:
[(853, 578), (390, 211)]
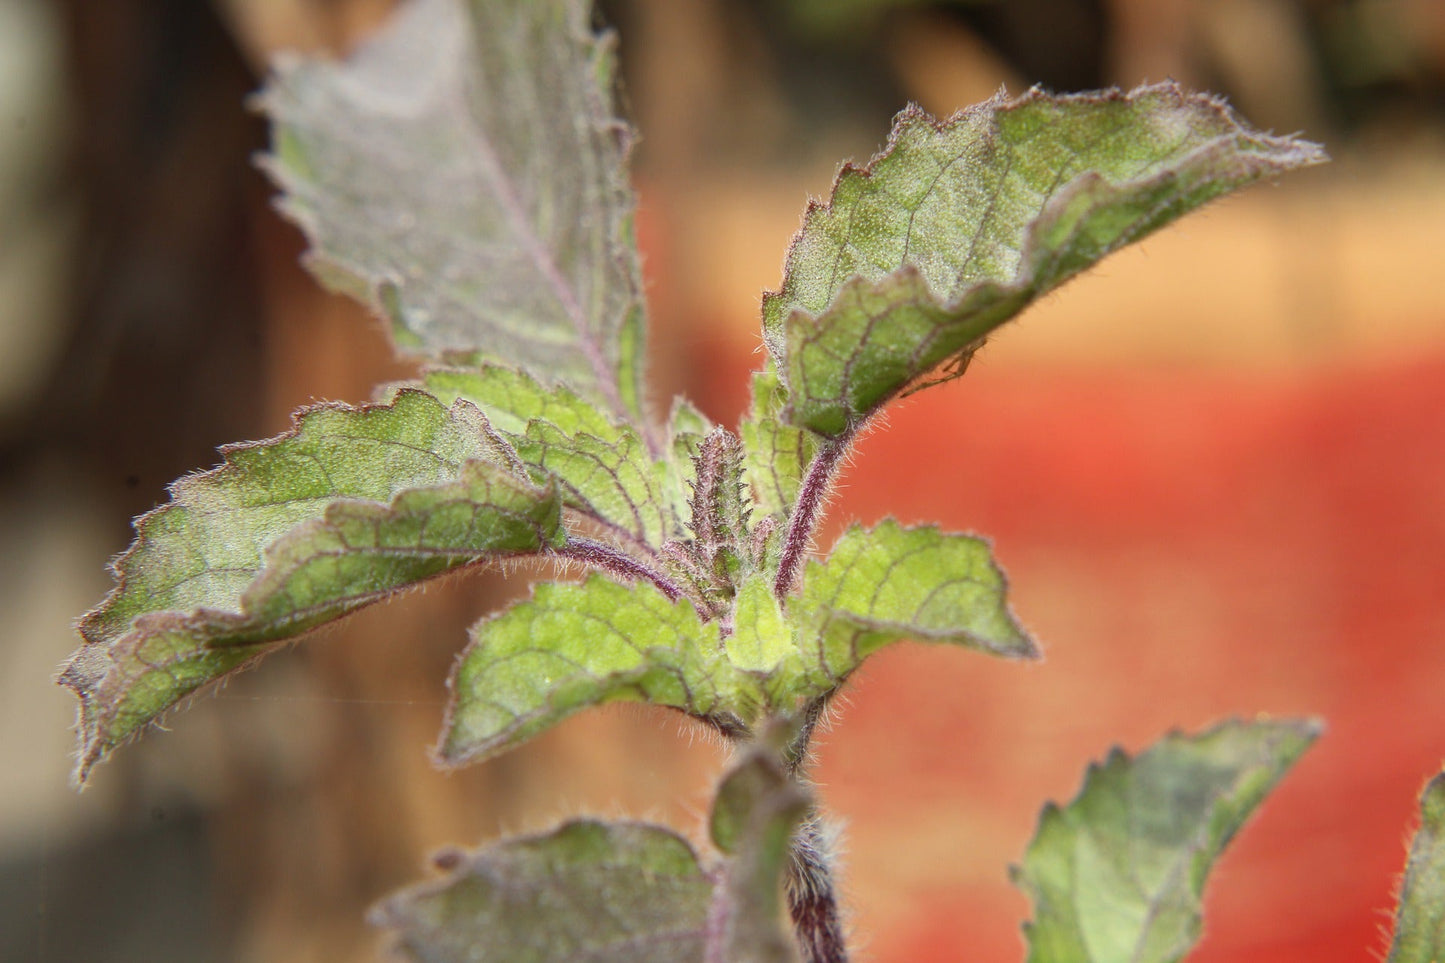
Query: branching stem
[(808, 509), (604, 556)]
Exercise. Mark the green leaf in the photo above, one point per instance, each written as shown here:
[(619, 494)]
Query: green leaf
[(1420, 920), (463, 173), (777, 455), (757, 810), (351, 506), (617, 892), (613, 482), (512, 399), (604, 468), (889, 583), (576, 645), (1118, 874), (956, 226), (688, 428), (591, 891), (761, 638)]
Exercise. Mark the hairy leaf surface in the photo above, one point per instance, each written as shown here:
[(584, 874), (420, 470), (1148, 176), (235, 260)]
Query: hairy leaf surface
[(604, 468), (617, 892), (888, 583), (576, 645), (761, 639), (1117, 875), (589, 890), (463, 173), (687, 428), (956, 226), (351, 506), (777, 453), (1420, 920)]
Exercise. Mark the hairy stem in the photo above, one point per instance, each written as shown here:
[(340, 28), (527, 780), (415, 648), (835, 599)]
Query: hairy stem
[(808, 510), (812, 897), (812, 900), (604, 556)]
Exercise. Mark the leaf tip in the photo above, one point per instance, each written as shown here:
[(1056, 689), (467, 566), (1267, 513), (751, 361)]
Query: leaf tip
[(81, 673)]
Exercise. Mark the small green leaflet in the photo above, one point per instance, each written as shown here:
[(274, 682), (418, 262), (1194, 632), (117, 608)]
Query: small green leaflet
[(464, 174), (1117, 875), (888, 583), (619, 892), (776, 454), (761, 638), (688, 427), (349, 507), (576, 645), (956, 226), (603, 467), (1420, 920)]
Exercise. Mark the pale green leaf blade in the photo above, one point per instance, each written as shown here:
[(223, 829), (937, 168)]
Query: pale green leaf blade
[(587, 891), (761, 637), (571, 646), (614, 482), (1117, 876), (512, 399), (778, 454), (463, 173), (956, 226), (888, 583), (351, 506), (604, 467), (1420, 920), (755, 815), (687, 429)]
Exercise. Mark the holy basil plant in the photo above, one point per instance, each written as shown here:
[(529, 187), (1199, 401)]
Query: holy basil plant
[(464, 174)]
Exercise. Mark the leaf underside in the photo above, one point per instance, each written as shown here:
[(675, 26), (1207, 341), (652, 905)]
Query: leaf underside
[(1420, 920), (617, 892), (1118, 874), (956, 226), (464, 174), (349, 507)]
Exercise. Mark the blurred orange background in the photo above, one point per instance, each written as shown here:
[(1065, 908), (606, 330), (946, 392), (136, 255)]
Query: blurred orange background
[(1212, 467)]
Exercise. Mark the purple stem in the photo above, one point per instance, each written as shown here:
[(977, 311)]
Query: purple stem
[(604, 556), (812, 898), (807, 510)]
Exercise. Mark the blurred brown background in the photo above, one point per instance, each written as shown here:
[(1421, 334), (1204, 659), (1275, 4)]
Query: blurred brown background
[(1213, 468)]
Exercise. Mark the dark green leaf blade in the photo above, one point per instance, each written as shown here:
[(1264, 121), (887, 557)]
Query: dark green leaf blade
[(351, 506), (463, 173), (1420, 920), (587, 891), (617, 892), (576, 645), (955, 227), (1117, 876), (889, 583)]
